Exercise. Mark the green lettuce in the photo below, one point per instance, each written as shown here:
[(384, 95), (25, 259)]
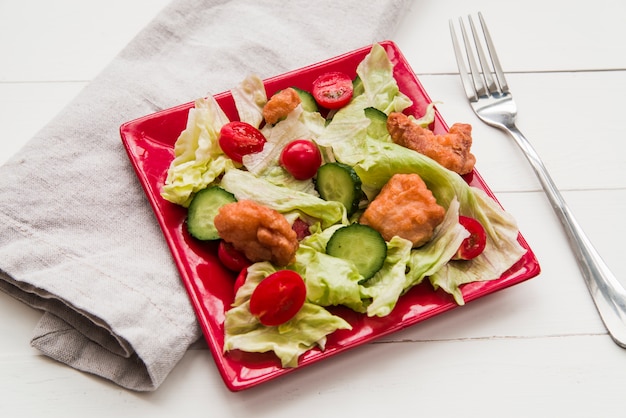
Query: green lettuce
[(250, 97), (246, 186), (198, 158)]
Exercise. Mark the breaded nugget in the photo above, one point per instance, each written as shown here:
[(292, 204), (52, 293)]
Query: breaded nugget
[(261, 233), (404, 207), (280, 105), (451, 150)]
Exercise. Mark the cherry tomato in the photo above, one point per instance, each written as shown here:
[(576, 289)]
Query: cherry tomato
[(230, 257), (240, 138), (301, 228), (240, 280), (301, 158), (473, 245), (332, 90), (278, 298)]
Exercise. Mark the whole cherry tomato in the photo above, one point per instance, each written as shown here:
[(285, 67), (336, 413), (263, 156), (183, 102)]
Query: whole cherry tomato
[(301, 158), (230, 257), (278, 298), (240, 138), (472, 246), (240, 280), (332, 90)]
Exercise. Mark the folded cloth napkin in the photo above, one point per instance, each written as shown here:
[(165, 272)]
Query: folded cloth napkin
[(78, 238)]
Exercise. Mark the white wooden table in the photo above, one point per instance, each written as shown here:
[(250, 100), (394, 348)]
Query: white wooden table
[(536, 349)]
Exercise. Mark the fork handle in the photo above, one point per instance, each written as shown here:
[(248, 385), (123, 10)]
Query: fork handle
[(606, 291)]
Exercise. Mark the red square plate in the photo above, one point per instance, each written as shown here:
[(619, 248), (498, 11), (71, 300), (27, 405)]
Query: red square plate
[(149, 142)]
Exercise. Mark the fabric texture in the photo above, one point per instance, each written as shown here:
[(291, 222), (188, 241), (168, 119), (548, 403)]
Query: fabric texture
[(79, 240)]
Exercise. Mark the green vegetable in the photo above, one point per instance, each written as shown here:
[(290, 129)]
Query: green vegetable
[(250, 98), (357, 86), (378, 122), (339, 183), (199, 160), (308, 102), (203, 209), (361, 245), (289, 202)]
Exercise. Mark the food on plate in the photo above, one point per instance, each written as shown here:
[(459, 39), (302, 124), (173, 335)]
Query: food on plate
[(231, 258), (278, 298), (202, 211), (260, 233), (451, 150), (360, 244), (301, 158), (240, 138), (280, 105), (339, 182), (332, 90), (404, 208), (343, 230), (474, 245)]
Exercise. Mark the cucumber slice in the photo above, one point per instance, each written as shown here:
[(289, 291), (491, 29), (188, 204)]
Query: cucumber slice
[(378, 123), (202, 211), (308, 102), (362, 245), (357, 86), (339, 182)]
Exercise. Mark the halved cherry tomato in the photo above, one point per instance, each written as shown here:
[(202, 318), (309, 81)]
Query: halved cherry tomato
[(301, 158), (332, 90), (472, 246), (231, 258), (278, 298), (240, 138)]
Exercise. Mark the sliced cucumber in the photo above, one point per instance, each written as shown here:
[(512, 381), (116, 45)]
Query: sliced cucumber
[(357, 86), (362, 245), (339, 182), (202, 211), (378, 122), (308, 102)]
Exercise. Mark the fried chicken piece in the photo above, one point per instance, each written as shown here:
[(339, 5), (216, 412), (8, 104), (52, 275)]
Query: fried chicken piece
[(404, 207), (261, 233), (451, 150), (280, 105)]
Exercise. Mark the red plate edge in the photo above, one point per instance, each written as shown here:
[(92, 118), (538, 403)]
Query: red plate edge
[(149, 144)]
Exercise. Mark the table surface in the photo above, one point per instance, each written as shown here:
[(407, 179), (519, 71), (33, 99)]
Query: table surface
[(538, 348)]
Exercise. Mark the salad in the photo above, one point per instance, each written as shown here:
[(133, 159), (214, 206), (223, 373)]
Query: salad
[(346, 136)]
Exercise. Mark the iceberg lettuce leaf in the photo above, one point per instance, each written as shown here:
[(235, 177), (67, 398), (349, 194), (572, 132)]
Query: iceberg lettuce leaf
[(250, 97), (245, 185), (198, 158)]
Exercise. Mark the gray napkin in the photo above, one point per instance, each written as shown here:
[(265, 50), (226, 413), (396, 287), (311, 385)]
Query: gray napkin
[(78, 238)]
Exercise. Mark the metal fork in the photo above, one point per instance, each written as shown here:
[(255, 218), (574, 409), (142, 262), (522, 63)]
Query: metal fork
[(491, 100)]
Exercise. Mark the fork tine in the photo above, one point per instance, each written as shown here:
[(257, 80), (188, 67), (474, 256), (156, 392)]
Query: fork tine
[(468, 85), (494, 56), (479, 82), (484, 64)]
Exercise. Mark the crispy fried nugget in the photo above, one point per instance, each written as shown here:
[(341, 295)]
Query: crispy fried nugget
[(404, 207), (280, 105), (261, 233), (451, 150)]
